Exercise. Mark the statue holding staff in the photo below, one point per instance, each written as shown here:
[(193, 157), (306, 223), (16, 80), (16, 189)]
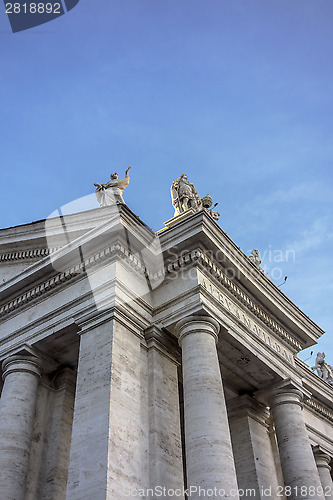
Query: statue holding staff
[(185, 198), (184, 195)]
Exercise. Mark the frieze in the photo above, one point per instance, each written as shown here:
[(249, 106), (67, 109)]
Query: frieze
[(248, 322)]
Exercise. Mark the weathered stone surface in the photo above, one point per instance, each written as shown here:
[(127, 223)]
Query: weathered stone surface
[(18, 399), (107, 302), (323, 459), (165, 448), (107, 455), (297, 460), (252, 448), (209, 456)]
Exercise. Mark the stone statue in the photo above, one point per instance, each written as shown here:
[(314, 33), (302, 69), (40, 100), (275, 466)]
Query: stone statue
[(112, 192), (254, 257), (185, 197), (324, 370)]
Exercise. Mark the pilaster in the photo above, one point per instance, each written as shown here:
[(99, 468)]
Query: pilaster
[(107, 452), (165, 448), (252, 449)]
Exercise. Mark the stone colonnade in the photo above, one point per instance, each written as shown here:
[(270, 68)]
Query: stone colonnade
[(210, 452)]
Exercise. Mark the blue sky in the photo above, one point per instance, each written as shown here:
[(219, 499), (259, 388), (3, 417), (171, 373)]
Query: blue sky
[(238, 94)]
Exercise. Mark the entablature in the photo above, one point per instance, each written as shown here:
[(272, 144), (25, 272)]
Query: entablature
[(200, 230)]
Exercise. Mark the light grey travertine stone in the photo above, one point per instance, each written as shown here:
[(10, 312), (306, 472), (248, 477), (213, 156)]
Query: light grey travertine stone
[(54, 476), (144, 417), (51, 438), (165, 450), (209, 457), (17, 408), (39, 440), (323, 460), (275, 451), (297, 460), (252, 449), (106, 452)]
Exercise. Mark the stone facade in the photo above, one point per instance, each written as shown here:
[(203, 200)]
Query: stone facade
[(143, 365)]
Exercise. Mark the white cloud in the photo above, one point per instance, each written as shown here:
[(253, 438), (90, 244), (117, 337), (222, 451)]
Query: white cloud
[(313, 237)]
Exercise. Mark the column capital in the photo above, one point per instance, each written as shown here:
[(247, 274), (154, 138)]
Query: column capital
[(322, 456), (195, 324), (247, 405), (163, 342), (287, 391), (21, 363), (65, 378)]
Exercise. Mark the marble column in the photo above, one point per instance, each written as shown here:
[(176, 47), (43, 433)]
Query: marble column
[(17, 408), (297, 460), (252, 448), (165, 447), (209, 458), (323, 460)]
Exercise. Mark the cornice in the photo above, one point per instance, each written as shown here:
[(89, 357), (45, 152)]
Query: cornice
[(27, 254), (318, 407), (200, 257), (71, 273), (200, 227)]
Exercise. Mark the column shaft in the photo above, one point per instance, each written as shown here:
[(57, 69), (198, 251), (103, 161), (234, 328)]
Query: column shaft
[(322, 461), (17, 409), (209, 457), (297, 460)]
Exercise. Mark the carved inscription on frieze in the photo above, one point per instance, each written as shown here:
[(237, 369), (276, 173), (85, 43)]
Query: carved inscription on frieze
[(251, 325)]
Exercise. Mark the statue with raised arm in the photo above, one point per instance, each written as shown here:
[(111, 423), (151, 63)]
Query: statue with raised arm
[(324, 370), (112, 192)]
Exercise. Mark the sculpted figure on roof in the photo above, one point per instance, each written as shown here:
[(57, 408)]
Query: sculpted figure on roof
[(112, 192), (185, 197), (254, 257), (324, 370)]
